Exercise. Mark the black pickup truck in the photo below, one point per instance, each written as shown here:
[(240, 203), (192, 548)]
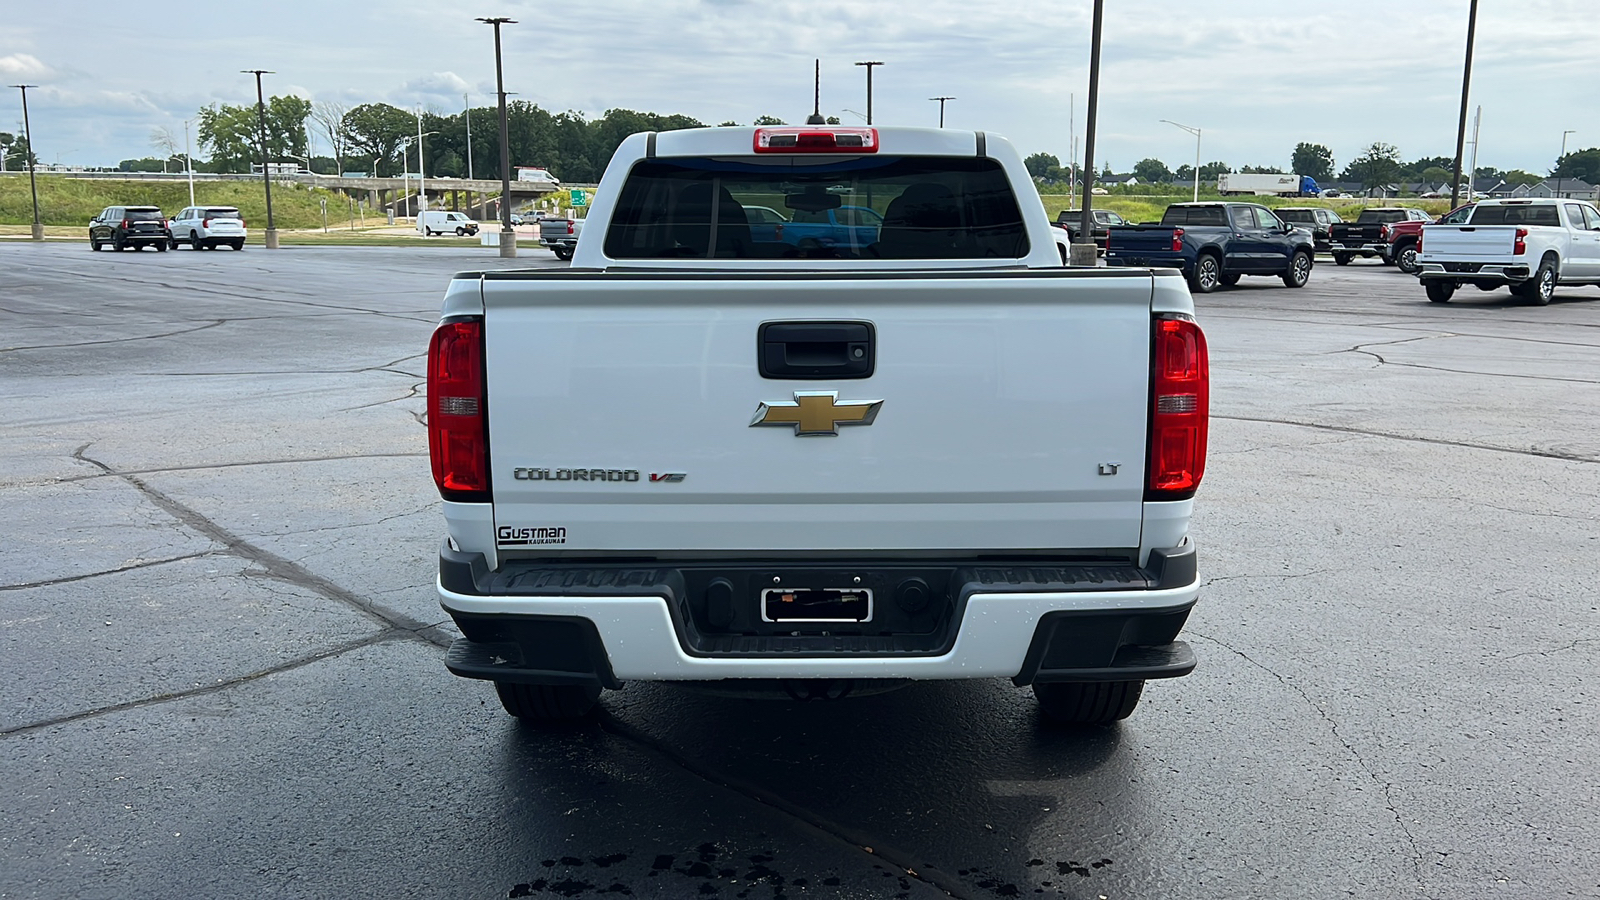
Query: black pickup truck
[(1215, 243), (1370, 234), (1104, 219)]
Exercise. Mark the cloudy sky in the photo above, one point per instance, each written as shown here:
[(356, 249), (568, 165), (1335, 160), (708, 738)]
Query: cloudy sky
[(1257, 76)]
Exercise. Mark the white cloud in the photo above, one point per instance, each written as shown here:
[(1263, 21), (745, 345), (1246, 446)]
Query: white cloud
[(24, 66)]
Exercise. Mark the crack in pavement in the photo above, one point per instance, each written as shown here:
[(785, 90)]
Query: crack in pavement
[(148, 337), (1385, 361), (67, 579), (384, 636), (416, 390), (1562, 649), (200, 467), (1441, 442), (1333, 727), (277, 566)]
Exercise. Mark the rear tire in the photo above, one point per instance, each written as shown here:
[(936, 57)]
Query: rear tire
[(1207, 275), (1230, 279), (1543, 286), (546, 702), (95, 245), (161, 247), (1439, 291), (237, 245), (1341, 259), (1388, 259), (1299, 271), (1405, 258), (563, 253), (194, 241), (1088, 702)]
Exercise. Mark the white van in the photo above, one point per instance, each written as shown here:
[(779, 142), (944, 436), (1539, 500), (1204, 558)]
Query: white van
[(437, 221)]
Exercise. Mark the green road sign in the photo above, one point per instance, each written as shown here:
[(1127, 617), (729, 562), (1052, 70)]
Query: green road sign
[(579, 198)]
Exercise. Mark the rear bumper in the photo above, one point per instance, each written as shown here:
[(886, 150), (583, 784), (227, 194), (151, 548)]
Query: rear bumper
[(1148, 261), (1476, 272), (1104, 625), (1359, 249)]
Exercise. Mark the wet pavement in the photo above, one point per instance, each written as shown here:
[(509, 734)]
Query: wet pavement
[(224, 665)]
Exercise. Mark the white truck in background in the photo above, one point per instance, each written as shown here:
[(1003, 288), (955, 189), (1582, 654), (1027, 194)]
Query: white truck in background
[(1529, 246), (1277, 185), (700, 454)]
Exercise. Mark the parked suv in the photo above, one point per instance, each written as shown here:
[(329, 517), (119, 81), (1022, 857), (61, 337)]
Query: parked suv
[(1315, 219), (129, 226), (208, 227)]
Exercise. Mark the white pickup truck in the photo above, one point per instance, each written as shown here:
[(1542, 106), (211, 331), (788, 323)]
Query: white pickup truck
[(699, 456), (1528, 245)]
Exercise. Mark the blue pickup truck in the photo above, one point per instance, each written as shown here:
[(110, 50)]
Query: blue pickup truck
[(852, 228), (1216, 243)]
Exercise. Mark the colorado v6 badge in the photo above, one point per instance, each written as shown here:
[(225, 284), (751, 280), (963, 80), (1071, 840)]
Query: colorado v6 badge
[(816, 413)]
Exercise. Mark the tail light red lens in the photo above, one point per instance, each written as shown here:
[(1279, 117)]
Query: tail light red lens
[(1520, 245), (1180, 409), (125, 225), (205, 223), (1177, 240), (1383, 233), (458, 415), (813, 139)]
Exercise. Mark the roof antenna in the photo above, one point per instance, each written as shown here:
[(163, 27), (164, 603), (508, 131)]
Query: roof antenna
[(816, 100)]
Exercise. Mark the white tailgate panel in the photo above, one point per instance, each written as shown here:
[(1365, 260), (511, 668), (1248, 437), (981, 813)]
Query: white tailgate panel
[(1485, 242), (1002, 398)]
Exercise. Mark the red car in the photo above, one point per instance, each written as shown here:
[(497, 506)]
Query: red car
[(1405, 238)]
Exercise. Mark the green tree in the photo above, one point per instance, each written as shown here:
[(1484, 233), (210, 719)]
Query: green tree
[(1151, 170), (1210, 171), (1584, 164), (1435, 175), (230, 134), (769, 120), (17, 156), (1040, 164), (1314, 160), (376, 130), (1263, 170), (1377, 165), (1515, 177)]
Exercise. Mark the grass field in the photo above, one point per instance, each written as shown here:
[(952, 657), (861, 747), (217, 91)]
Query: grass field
[(74, 201)]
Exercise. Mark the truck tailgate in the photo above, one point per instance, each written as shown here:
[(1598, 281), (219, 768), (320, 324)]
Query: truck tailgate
[(1013, 412), (1142, 239), (1467, 243)]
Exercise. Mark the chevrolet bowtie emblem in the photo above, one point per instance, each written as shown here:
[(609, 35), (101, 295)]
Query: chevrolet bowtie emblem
[(816, 412)]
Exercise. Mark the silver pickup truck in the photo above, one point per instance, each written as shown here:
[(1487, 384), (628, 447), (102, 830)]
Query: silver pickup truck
[(698, 456)]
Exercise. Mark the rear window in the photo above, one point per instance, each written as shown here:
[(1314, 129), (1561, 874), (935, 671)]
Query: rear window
[(222, 212), (143, 215), (1515, 215), (855, 208), (1375, 216), (1297, 215), (1195, 215)]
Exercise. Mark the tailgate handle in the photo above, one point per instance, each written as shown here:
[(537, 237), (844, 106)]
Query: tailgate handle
[(816, 351)]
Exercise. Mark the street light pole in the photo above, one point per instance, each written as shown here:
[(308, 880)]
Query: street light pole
[(33, 185), (941, 108), (266, 176), (188, 159), (1196, 133), (466, 113), (1561, 157), (869, 66), (508, 238), (1466, 85), (1083, 250), (422, 177)]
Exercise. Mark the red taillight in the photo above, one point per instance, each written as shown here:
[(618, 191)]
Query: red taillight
[(205, 223), (1383, 233), (125, 225), (570, 227), (1520, 246), (1180, 409), (1177, 240), (812, 139), (458, 434), (1419, 240)]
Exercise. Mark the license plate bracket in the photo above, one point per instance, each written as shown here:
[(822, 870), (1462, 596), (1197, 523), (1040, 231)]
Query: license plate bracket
[(827, 604)]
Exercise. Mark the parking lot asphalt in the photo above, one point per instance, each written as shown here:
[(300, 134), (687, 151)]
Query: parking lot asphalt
[(223, 651)]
